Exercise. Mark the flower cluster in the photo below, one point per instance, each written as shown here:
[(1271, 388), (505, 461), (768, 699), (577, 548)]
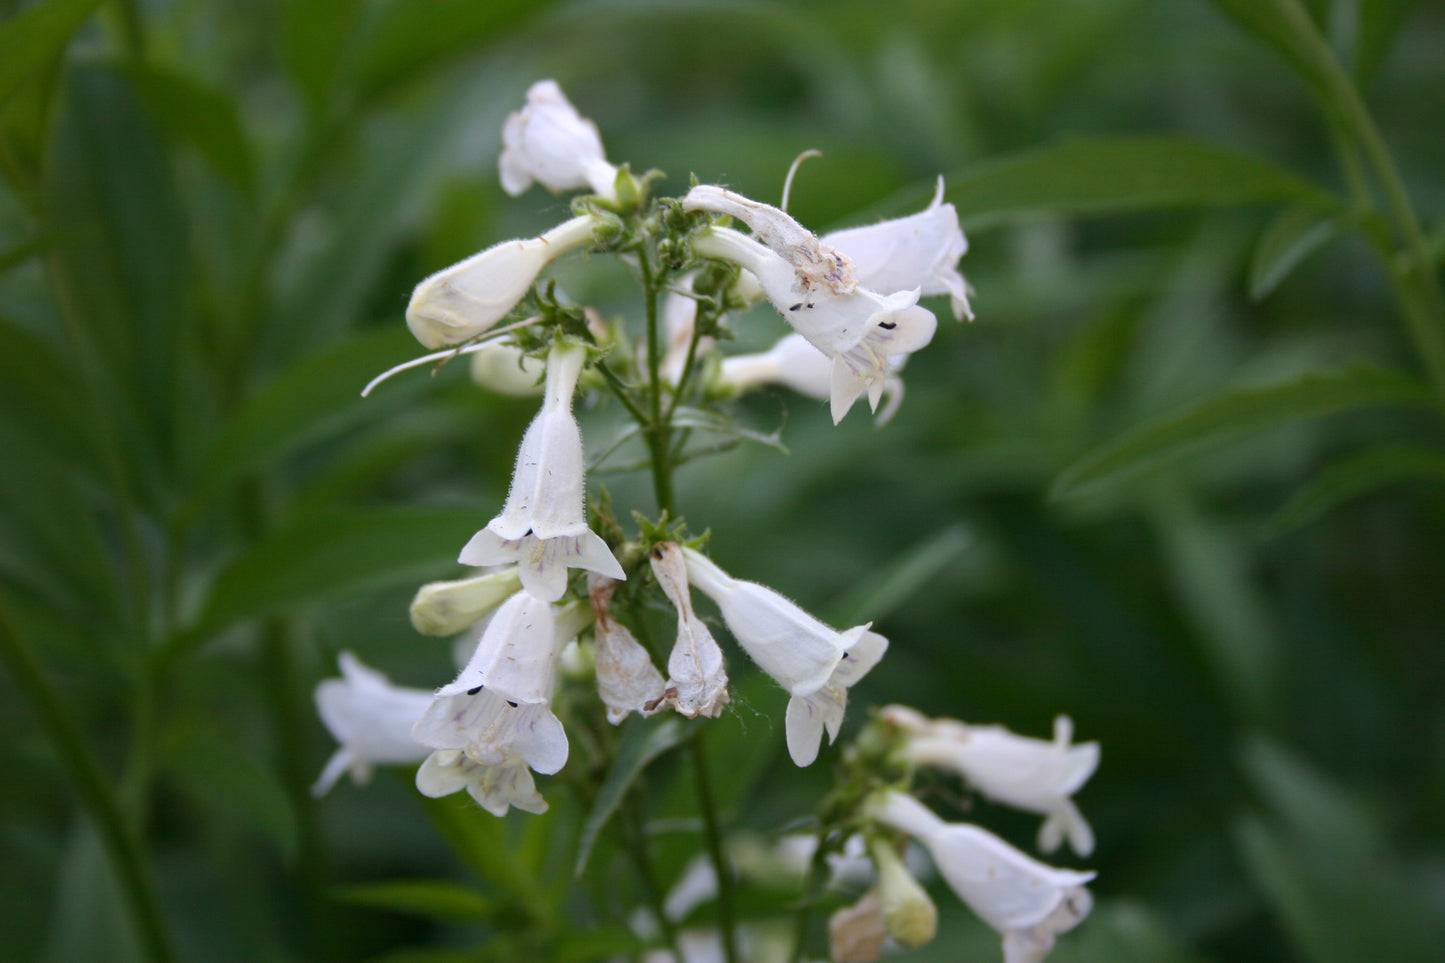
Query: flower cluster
[(549, 583)]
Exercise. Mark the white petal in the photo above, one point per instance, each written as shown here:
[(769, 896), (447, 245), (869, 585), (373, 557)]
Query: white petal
[(549, 142), (797, 650), (627, 681), (697, 679)]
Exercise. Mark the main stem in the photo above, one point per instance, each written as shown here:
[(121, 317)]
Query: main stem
[(659, 437)]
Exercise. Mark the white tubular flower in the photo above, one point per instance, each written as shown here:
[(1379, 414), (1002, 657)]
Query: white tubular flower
[(502, 367), (808, 715), (919, 251), (496, 788), (814, 287), (460, 302), (797, 365), (371, 718), (797, 650), (698, 682), (446, 608), (1026, 901), (500, 706), (1034, 775), (627, 680), (550, 143), (908, 913), (543, 526)]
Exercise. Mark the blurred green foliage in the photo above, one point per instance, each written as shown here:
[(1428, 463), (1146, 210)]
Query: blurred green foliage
[(1181, 480)]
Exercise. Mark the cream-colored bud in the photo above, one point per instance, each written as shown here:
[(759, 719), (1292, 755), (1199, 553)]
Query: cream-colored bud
[(446, 608), (908, 913)]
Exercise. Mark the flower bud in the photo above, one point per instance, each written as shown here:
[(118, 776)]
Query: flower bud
[(908, 913), (550, 143), (446, 608)]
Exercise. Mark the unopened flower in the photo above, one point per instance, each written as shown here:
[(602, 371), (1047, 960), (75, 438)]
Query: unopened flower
[(798, 651), (627, 681), (918, 251), (1026, 901), (446, 608), (856, 932), (1034, 775), (814, 287), (543, 526), (550, 143), (796, 364), (908, 913), (697, 680), (809, 715), (500, 706), (496, 788), (371, 718), (462, 301), (501, 366)]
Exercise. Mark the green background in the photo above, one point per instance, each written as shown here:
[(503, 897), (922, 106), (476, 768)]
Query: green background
[(1180, 480)]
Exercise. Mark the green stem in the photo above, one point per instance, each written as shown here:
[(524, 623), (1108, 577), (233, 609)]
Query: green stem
[(712, 829), (96, 795), (635, 840), (1415, 283), (658, 433)]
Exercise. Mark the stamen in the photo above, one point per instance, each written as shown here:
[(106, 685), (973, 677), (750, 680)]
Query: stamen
[(788, 183), (444, 356)]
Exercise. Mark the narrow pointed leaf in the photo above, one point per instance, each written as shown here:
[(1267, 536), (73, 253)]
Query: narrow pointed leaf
[(642, 742), (203, 117), (1292, 236), (35, 36), (1356, 476), (1114, 174), (1236, 413), (438, 899)]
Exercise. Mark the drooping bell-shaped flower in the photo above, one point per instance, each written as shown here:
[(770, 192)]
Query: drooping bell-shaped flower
[(1034, 775), (500, 705), (1026, 901), (814, 287), (798, 651), (371, 718), (547, 141), (627, 681), (543, 526), (809, 715), (496, 788), (697, 679), (796, 364), (918, 251), (446, 608), (460, 302)]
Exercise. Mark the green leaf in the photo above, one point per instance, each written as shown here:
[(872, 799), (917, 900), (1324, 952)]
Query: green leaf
[(326, 556), (720, 424), (1285, 26), (205, 118), (642, 741), (1235, 413), (318, 397), (210, 766), (481, 841), (900, 577), (409, 38), (1379, 23), (38, 396), (316, 36), (1114, 174), (1295, 234), (1356, 476), (433, 898), (35, 36), (1325, 866)]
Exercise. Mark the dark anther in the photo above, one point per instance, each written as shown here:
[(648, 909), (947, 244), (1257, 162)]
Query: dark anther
[(511, 703), (887, 325), (476, 690), (796, 306), (657, 552)]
